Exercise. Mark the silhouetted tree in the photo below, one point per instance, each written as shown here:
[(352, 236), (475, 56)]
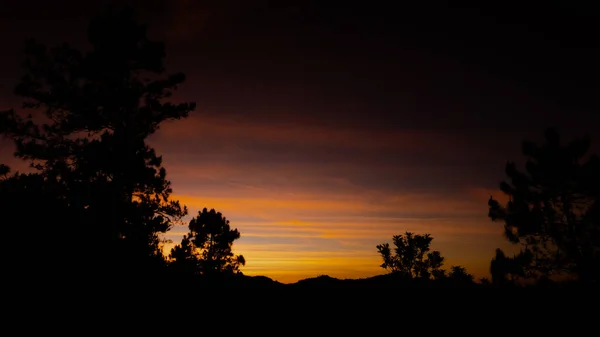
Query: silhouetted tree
[(553, 209), (183, 257), (459, 274), (4, 171), (508, 270), (89, 146), (411, 256), (208, 245)]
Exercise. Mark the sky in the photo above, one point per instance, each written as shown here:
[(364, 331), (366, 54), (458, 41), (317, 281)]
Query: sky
[(321, 132)]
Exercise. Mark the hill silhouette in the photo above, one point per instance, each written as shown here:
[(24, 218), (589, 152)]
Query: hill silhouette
[(373, 283)]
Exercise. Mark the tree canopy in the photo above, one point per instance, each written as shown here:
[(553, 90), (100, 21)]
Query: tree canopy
[(86, 139), (207, 249), (412, 256), (553, 210)]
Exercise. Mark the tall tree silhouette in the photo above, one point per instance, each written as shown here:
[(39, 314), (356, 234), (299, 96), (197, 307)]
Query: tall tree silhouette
[(553, 208), (209, 245), (98, 107), (412, 257)]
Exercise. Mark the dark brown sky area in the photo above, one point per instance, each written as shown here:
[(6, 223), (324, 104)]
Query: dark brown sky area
[(453, 67), (366, 104)]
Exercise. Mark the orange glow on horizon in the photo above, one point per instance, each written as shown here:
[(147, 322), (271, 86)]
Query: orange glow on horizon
[(288, 238)]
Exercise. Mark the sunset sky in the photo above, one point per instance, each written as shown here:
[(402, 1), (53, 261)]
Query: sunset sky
[(321, 132)]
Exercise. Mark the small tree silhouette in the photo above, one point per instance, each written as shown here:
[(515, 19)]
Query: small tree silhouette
[(411, 256), (4, 171), (459, 274), (207, 249), (507, 270)]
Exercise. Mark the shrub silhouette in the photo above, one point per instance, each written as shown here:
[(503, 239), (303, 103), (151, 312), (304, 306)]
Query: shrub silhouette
[(411, 256)]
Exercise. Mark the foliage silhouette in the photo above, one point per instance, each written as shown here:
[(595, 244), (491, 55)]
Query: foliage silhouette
[(509, 270), (88, 146), (183, 257), (552, 212), (31, 211), (459, 274), (485, 281), (411, 257), (4, 171), (207, 249)]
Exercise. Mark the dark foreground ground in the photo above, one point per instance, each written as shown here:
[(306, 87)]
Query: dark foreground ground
[(250, 305), (380, 282), (124, 282)]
